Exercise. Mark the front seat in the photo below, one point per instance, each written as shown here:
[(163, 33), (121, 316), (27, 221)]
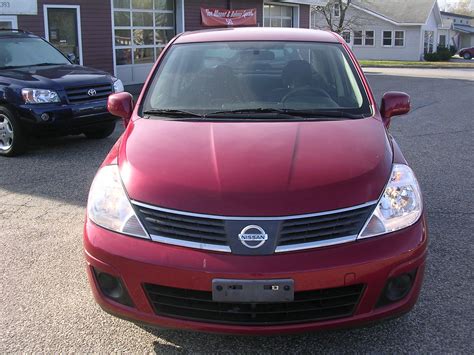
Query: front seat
[(295, 74)]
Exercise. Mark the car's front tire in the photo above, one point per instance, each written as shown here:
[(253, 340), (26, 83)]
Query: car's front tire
[(102, 131), (467, 56), (12, 137)]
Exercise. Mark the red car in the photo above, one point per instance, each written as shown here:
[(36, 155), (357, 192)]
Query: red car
[(256, 190), (467, 53)]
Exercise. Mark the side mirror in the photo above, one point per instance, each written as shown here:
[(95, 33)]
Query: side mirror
[(71, 57), (121, 105), (394, 103)]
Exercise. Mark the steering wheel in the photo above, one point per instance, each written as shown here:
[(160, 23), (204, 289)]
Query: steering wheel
[(305, 91)]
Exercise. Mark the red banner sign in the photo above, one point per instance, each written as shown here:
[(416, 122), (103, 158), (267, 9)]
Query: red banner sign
[(224, 17)]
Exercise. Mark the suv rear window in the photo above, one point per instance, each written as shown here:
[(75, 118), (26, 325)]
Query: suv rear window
[(215, 77)]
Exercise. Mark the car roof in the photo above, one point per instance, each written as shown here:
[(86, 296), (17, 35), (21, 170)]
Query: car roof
[(8, 33), (258, 34)]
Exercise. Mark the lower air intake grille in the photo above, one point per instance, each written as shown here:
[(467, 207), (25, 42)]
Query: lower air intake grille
[(308, 306)]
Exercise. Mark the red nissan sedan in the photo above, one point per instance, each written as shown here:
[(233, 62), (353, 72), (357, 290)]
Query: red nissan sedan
[(256, 190)]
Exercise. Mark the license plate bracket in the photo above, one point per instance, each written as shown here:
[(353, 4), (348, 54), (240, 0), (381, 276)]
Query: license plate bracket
[(253, 291)]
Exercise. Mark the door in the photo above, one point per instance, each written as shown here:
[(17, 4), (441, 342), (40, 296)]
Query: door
[(62, 29), (8, 22)]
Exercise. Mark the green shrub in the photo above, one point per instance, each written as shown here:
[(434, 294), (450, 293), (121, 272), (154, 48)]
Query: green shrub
[(444, 53), (453, 50), (432, 57)]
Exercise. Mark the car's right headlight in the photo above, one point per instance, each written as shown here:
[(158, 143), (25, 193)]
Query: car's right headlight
[(399, 207), (39, 96), (109, 207)]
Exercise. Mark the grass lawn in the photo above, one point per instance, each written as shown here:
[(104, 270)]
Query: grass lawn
[(404, 64)]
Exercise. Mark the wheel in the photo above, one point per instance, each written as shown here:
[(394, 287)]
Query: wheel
[(467, 56), (12, 139), (100, 132)]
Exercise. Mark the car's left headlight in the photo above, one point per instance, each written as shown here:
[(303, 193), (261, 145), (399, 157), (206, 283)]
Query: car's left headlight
[(39, 96), (399, 207), (109, 207), (118, 85)]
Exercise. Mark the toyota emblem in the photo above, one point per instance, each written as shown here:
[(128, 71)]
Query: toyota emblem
[(253, 236), (91, 92)]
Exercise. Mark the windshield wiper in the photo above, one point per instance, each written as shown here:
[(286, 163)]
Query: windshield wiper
[(307, 114), (45, 64), (30, 65), (267, 113), (172, 113)]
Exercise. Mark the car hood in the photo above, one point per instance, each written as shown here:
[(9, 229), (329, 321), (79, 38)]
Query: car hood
[(56, 76), (255, 168)]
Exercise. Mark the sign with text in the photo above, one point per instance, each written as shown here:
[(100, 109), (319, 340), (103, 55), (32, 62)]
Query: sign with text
[(224, 17), (18, 7)]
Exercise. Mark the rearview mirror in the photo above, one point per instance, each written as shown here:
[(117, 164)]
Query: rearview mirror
[(394, 103), (121, 105)]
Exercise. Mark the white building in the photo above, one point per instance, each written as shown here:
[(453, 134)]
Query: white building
[(389, 29), (461, 29)]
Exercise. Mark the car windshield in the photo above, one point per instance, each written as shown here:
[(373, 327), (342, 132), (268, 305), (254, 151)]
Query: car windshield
[(282, 80), (17, 52)]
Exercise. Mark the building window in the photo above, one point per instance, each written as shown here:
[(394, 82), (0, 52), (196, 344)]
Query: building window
[(358, 38), (141, 29), (366, 38), (387, 38), (278, 15), (337, 10), (399, 38), (369, 38), (428, 42), (442, 40), (347, 36)]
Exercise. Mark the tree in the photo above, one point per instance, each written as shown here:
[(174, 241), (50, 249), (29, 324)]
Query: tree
[(461, 7), (334, 13)]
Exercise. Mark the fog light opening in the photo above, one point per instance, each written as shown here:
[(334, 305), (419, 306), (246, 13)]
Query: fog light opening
[(397, 288), (112, 287)]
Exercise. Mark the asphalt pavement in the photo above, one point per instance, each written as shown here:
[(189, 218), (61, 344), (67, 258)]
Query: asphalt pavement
[(46, 304)]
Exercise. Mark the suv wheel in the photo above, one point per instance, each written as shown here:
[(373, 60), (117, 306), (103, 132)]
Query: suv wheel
[(102, 131), (467, 56), (12, 140)]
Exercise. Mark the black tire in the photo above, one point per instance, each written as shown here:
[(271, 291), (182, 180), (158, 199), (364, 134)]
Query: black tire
[(12, 137), (467, 56), (101, 132)]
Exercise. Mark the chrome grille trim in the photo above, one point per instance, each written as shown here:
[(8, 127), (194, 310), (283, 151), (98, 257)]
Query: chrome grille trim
[(318, 244), (233, 218), (188, 244)]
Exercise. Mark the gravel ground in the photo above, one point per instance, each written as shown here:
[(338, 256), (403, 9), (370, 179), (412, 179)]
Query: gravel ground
[(46, 304)]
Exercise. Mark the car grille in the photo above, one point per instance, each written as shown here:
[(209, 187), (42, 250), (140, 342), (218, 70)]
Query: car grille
[(183, 227), (308, 306), (80, 94), (323, 227), (295, 232)]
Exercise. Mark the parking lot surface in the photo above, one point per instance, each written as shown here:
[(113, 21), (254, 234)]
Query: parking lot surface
[(46, 304)]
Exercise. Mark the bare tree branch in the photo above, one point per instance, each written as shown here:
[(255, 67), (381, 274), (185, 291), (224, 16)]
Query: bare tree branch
[(335, 23)]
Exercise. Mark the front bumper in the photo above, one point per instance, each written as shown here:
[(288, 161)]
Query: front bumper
[(370, 262), (63, 118)]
